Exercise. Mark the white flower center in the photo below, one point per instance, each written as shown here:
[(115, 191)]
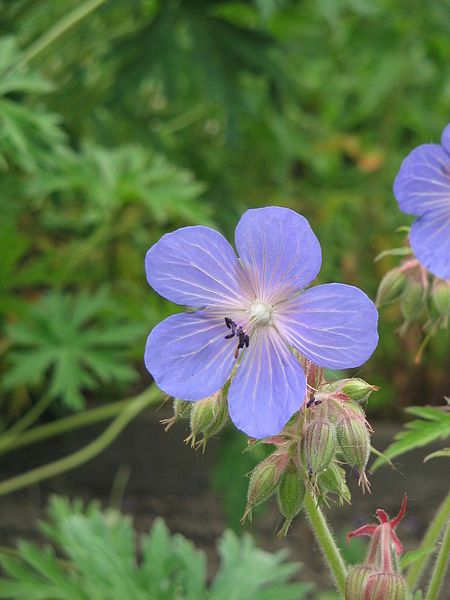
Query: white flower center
[(261, 313)]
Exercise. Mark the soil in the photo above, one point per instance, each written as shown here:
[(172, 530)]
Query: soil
[(164, 477)]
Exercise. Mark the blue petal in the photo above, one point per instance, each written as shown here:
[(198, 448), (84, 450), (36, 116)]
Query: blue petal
[(268, 388), (195, 266), (333, 325), (430, 241), (188, 356), (423, 182), (445, 139), (279, 248)]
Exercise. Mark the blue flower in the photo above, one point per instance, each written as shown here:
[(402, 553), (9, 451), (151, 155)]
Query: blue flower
[(422, 189), (251, 313)]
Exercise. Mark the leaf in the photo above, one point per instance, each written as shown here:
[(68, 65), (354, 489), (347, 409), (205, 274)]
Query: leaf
[(394, 252), (433, 424), (445, 452), (75, 342), (410, 557)]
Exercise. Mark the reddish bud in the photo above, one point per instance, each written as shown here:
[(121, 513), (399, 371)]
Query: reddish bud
[(318, 445)]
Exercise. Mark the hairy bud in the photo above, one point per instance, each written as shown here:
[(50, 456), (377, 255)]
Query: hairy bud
[(391, 287), (440, 295), (318, 445), (357, 389), (354, 443), (332, 481), (290, 497), (181, 410), (264, 481), (356, 580), (208, 417), (385, 586), (413, 300)]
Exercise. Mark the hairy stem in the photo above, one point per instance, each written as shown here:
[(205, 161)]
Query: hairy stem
[(147, 398), (59, 29), (326, 541), (440, 566), (431, 537)]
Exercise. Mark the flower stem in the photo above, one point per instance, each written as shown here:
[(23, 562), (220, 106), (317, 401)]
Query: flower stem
[(431, 537), (55, 32), (440, 567), (326, 541), (137, 405), (9, 436)]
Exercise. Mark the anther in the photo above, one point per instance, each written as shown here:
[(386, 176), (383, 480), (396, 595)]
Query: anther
[(310, 402)]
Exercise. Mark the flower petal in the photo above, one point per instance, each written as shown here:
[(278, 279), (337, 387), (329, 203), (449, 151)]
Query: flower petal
[(334, 325), (188, 356), (423, 182), (279, 248), (445, 139), (430, 241), (195, 266), (268, 388)]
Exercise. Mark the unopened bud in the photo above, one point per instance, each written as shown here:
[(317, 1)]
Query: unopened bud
[(391, 287), (354, 442), (264, 481), (385, 586), (181, 410), (357, 389), (440, 296), (355, 582), (332, 481), (208, 417), (318, 445), (290, 497), (413, 300)]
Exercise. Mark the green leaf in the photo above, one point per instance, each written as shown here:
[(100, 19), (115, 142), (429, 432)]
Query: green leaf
[(410, 557), (445, 452), (394, 252), (433, 424)]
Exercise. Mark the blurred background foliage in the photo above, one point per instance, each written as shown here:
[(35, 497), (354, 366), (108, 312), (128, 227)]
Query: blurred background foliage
[(123, 119)]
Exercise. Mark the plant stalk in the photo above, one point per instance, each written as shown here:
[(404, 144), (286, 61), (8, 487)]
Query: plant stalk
[(147, 398), (326, 541), (440, 566), (417, 568)]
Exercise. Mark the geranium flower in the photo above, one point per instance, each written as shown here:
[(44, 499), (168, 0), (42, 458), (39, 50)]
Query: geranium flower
[(251, 312), (422, 189)]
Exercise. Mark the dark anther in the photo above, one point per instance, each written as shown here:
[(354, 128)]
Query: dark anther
[(243, 338), (231, 325), (310, 402), (317, 402), (310, 470)]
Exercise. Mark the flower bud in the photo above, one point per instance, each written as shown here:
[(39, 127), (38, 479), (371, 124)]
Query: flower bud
[(208, 417), (357, 389), (391, 287), (181, 410), (290, 496), (440, 295), (354, 442), (385, 586), (264, 481), (413, 300), (318, 445), (332, 481), (355, 582)]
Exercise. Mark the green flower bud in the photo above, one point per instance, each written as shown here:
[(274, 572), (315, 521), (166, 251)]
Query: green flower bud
[(391, 287), (356, 580), (181, 410), (354, 442), (208, 417), (332, 481), (440, 295), (264, 481), (357, 389), (290, 496), (385, 586), (413, 300), (318, 445)]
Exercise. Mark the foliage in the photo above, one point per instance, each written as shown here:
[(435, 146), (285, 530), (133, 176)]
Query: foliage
[(77, 341), (96, 560), (433, 424)]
